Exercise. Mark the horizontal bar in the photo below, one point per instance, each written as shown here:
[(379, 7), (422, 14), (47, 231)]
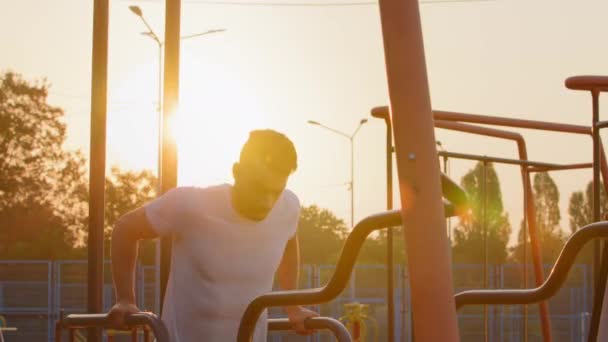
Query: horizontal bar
[(562, 167), (77, 321), (552, 284), (316, 323), (601, 124), (498, 160), (500, 121)]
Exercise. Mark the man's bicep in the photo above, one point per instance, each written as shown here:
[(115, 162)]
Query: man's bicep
[(138, 225)]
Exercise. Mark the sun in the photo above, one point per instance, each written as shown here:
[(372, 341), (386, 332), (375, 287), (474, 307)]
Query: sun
[(216, 113), (217, 110)]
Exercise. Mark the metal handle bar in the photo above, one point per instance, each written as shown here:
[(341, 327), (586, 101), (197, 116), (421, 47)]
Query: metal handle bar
[(317, 323), (77, 321), (553, 282), (336, 284)]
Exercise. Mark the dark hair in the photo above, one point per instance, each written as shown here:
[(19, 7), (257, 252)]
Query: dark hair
[(271, 147)]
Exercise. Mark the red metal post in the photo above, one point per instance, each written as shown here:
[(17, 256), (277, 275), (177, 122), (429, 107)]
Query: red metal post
[(418, 170)]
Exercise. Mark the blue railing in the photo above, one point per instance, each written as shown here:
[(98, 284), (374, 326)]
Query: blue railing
[(32, 293)]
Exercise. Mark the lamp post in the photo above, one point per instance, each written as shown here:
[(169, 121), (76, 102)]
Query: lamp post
[(150, 33), (162, 262), (351, 138)]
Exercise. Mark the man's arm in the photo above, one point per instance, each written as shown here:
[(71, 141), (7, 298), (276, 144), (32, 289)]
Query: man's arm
[(290, 265), (288, 273), (128, 230)]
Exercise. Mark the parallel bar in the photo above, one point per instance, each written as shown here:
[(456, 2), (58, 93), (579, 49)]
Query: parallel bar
[(168, 175), (554, 281), (316, 323), (101, 321), (499, 160), (509, 122), (337, 283), (334, 287), (562, 167), (601, 124), (418, 170), (97, 167), (502, 121)]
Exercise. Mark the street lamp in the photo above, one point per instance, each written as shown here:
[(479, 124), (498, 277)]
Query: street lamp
[(351, 138), (150, 33)]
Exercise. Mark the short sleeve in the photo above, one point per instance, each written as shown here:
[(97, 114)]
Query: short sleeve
[(169, 213), (293, 208)]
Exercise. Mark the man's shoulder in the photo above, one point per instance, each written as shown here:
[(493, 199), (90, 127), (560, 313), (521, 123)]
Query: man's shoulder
[(292, 202), (201, 190)]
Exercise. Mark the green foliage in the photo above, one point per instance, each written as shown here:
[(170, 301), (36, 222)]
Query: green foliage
[(41, 189), (126, 191), (44, 188), (551, 237), (580, 209), (321, 235), (486, 215)]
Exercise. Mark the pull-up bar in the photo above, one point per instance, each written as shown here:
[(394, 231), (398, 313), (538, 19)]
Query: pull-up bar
[(538, 166)]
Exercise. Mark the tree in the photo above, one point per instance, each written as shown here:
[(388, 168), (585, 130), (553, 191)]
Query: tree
[(580, 209), (125, 191), (43, 187), (41, 184), (546, 202), (374, 249), (321, 235), (469, 233)]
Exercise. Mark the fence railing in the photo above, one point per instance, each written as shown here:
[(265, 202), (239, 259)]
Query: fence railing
[(32, 293)]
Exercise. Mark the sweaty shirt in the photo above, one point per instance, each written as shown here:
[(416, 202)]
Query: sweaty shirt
[(220, 260)]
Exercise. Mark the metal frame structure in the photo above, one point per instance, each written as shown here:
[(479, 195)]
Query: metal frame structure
[(415, 148), (73, 322), (418, 167), (317, 323), (557, 276), (454, 121), (336, 284), (595, 85)]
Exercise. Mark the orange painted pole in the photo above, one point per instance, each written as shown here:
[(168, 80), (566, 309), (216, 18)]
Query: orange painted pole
[(168, 173), (97, 169), (418, 171)]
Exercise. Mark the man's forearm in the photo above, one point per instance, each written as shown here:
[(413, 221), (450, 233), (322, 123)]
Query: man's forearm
[(124, 257), (289, 269), (290, 266)]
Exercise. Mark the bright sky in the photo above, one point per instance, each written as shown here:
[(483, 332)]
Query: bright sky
[(278, 67)]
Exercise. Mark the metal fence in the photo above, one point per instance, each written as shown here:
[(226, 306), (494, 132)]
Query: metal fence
[(32, 294)]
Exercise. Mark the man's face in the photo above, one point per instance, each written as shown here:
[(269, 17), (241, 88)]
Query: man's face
[(257, 187)]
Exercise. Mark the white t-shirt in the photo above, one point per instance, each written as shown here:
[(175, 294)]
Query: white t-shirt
[(220, 261)]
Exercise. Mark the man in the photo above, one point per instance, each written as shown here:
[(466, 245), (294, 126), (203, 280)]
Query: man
[(228, 242)]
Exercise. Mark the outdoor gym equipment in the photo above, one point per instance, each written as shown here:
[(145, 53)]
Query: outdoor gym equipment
[(149, 322), (417, 165), (336, 284), (595, 85)]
